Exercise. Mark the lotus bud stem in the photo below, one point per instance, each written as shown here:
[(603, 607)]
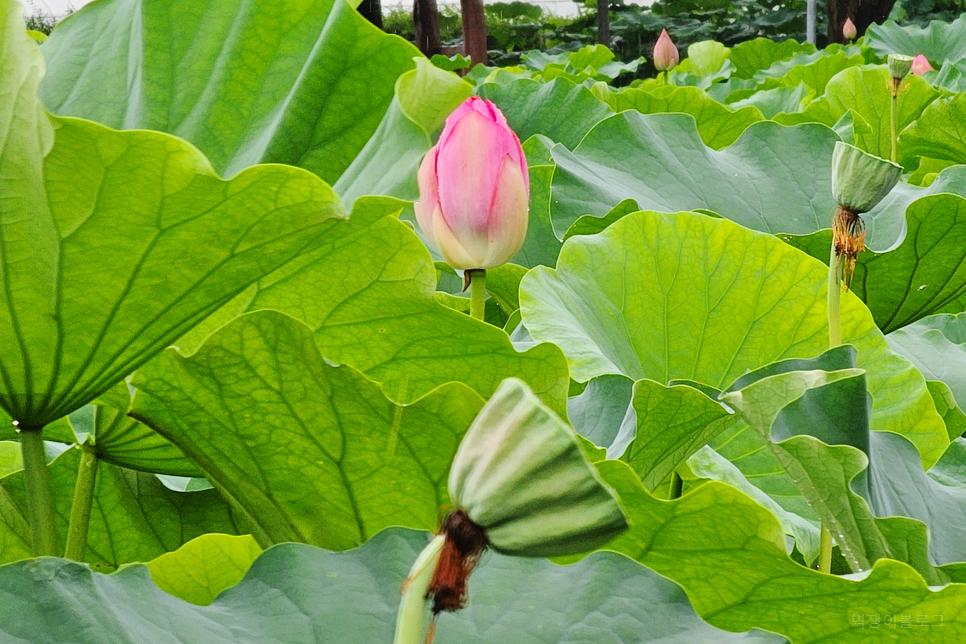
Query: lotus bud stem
[(899, 67), (414, 607)]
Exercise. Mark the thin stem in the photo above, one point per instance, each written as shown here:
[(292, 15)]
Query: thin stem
[(834, 302), (825, 551), (477, 293), (677, 485), (895, 121), (413, 608), (40, 496), (80, 513)]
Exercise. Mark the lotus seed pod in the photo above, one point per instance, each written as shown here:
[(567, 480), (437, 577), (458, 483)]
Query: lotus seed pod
[(666, 56), (900, 65), (861, 180), (849, 30), (521, 475), (920, 65)]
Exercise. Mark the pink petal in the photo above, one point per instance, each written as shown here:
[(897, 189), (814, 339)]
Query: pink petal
[(509, 215), (428, 194)]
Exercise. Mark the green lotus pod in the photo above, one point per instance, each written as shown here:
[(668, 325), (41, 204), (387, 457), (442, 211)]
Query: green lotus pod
[(861, 180), (899, 65), (520, 474)]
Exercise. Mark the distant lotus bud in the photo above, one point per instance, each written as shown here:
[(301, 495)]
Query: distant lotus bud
[(666, 55), (899, 65), (849, 30), (474, 189), (920, 65), (859, 182)]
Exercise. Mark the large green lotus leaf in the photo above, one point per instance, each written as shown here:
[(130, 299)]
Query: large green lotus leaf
[(672, 423), (728, 553), (923, 275), (116, 243), (813, 416), (304, 83), (296, 594), (771, 101), (937, 346), (598, 412), (388, 164), (812, 70), (560, 110), (939, 132), (752, 56), (369, 297), (866, 90), (200, 569), (312, 452), (134, 517), (688, 297), (946, 405), (772, 178), (938, 42), (718, 125)]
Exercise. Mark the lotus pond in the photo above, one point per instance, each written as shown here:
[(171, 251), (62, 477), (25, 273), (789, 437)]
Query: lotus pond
[(241, 387)]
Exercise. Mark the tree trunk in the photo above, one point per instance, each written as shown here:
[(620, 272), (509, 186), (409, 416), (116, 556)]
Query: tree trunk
[(371, 10), (426, 20), (862, 12), (474, 30), (603, 22)]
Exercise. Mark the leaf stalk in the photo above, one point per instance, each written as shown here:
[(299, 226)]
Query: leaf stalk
[(414, 607), (40, 496), (477, 292), (80, 512)]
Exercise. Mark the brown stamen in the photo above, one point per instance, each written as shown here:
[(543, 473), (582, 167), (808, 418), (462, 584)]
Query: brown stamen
[(465, 542), (848, 236)]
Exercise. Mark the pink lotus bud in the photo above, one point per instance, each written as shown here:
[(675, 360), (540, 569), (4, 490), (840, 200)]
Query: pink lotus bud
[(849, 30), (920, 65), (474, 189), (666, 55)]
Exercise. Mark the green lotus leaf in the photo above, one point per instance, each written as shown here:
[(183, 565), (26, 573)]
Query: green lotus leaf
[(521, 475), (687, 297), (946, 405), (772, 101), (293, 594), (861, 180), (719, 125), (116, 243), (378, 282), (312, 452), (937, 346), (812, 70), (246, 82), (134, 517), (938, 133), (939, 41), (598, 412), (923, 275), (867, 91), (752, 56), (728, 553), (200, 569), (559, 109)]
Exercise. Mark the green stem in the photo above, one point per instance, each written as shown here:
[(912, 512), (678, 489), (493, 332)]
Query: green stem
[(80, 513), (677, 485), (834, 303), (411, 619), (40, 496), (825, 551), (895, 121), (477, 293)]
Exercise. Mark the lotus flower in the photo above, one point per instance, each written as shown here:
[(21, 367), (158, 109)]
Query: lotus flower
[(474, 189), (666, 55), (920, 65), (849, 30)]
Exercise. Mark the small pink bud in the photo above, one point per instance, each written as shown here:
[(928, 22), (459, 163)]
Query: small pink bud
[(849, 30), (666, 55), (474, 189), (920, 65)]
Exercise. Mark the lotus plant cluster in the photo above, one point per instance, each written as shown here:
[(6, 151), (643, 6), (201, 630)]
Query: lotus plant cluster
[(706, 386)]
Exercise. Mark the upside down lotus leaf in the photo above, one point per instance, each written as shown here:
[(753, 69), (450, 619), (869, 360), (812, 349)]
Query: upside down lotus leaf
[(312, 452), (296, 594), (939, 41), (937, 346), (305, 83), (688, 297), (113, 244)]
